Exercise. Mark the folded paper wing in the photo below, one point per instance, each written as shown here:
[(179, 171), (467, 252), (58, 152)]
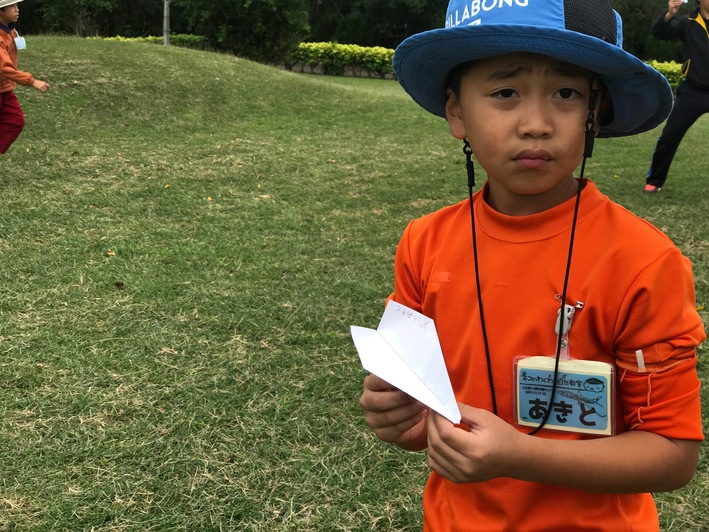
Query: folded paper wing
[(405, 352)]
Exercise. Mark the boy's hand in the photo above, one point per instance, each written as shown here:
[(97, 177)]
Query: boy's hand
[(41, 85), (394, 416), (486, 450)]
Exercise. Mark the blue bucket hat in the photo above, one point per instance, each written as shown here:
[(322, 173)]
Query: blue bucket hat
[(586, 33)]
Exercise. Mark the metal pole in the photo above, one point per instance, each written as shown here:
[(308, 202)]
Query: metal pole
[(166, 24)]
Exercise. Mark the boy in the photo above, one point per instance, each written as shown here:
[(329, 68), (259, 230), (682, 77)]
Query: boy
[(527, 84), (12, 119)]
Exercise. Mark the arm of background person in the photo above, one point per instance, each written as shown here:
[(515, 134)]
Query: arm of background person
[(667, 26), (672, 9)]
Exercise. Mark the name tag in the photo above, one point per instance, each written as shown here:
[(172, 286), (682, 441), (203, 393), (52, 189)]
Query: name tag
[(20, 43), (582, 401)]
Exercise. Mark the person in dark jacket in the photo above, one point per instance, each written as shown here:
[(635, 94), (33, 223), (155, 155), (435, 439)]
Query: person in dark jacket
[(692, 99)]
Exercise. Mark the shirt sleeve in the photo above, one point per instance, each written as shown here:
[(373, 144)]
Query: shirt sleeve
[(670, 30), (660, 330), (9, 71), (407, 289)]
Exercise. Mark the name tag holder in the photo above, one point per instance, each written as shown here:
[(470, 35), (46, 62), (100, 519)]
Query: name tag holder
[(20, 42), (565, 394), (582, 402)]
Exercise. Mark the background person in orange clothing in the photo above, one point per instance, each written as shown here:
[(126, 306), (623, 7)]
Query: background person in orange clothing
[(12, 119), (527, 85)]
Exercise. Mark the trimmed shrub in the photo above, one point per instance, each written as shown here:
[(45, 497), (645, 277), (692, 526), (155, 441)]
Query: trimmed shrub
[(334, 58), (671, 70)]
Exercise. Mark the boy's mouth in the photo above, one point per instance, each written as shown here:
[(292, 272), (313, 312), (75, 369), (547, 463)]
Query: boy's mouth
[(532, 158)]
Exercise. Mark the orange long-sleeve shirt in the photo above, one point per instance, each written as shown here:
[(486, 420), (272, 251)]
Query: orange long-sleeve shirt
[(9, 74), (638, 294)]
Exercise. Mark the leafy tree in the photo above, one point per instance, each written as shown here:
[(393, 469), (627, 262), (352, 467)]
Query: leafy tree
[(75, 16), (128, 18), (325, 17), (263, 30), (139, 18), (373, 22)]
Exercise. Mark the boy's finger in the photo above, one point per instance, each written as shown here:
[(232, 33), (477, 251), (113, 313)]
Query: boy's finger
[(378, 384), (468, 414)]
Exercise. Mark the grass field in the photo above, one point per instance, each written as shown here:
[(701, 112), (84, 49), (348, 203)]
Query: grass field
[(185, 238)]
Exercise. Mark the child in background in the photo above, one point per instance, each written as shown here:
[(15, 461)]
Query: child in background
[(12, 119), (527, 85)]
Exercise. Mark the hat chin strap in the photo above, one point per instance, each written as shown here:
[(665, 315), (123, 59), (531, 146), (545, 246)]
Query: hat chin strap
[(593, 97), (469, 166)]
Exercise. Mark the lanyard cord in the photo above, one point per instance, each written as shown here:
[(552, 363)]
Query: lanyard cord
[(547, 414), (588, 151), (471, 183)]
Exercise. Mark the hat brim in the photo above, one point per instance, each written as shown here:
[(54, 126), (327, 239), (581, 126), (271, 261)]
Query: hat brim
[(642, 97)]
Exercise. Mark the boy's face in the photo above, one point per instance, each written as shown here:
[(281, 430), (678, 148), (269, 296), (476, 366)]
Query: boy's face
[(524, 116), (9, 14)]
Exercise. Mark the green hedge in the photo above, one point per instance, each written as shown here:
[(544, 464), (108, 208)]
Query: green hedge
[(184, 40), (334, 58), (671, 70)]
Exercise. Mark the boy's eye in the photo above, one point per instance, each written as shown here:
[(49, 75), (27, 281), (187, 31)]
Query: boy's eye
[(504, 93), (567, 93)]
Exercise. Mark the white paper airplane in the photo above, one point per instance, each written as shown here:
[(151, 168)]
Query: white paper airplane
[(406, 353)]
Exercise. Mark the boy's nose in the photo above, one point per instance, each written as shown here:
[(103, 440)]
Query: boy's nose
[(535, 121)]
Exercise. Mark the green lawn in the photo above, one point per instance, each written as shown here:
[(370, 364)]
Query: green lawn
[(185, 238)]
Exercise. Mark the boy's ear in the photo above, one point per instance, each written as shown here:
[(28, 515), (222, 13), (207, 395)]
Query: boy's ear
[(454, 115)]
